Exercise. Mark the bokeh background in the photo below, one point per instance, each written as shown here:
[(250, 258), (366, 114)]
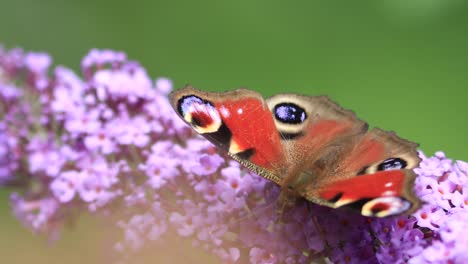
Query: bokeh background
[(401, 65)]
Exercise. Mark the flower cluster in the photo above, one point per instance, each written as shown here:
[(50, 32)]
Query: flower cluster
[(109, 140)]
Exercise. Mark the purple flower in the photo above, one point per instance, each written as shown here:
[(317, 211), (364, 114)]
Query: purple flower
[(37, 62), (160, 170), (83, 121), (101, 141), (9, 92), (210, 191), (113, 85), (45, 157), (207, 164), (164, 85), (184, 224), (35, 214), (99, 58), (258, 255), (234, 180), (434, 166), (230, 255), (136, 132), (66, 185), (8, 156)]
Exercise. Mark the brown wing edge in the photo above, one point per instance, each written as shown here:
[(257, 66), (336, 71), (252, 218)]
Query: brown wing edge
[(409, 148), (257, 169), (399, 146), (408, 192), (174, 96), (326, 101)]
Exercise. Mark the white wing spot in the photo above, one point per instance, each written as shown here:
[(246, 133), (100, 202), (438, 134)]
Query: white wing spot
[(224, 112)]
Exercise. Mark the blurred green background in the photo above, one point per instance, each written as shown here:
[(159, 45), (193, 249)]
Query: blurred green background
[(399, 64)]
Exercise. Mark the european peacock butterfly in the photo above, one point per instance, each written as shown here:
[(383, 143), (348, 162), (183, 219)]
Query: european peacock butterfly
[(308, 145)]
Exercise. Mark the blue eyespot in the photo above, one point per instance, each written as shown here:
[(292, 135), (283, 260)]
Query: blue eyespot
[(392, 164), (290, 113), (187, 101)]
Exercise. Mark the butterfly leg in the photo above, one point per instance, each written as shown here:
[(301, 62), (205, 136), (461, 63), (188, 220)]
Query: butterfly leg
[(319, 229), (287, 199)]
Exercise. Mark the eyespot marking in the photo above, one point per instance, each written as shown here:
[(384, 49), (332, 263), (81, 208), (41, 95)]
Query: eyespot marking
[(363, 170), (187, 101), (202, 118), (385, 206), (289, 113), (221, 137), (200, 114), (392, 164)]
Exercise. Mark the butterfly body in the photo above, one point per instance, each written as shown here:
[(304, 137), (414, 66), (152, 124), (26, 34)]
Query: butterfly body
[(308, 145)]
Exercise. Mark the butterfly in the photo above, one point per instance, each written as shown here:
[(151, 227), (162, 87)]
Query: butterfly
[(308, 145)]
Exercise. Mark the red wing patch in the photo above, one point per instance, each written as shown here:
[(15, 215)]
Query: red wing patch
[(379, 184), (367, 152), (320, 134), (252, 126), (381, 193), (327, 130)]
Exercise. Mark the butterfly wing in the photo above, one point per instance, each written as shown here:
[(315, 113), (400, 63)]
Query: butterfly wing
[(380, 163), (339, 163), (316, 134), (379, 194), (238, 122)]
